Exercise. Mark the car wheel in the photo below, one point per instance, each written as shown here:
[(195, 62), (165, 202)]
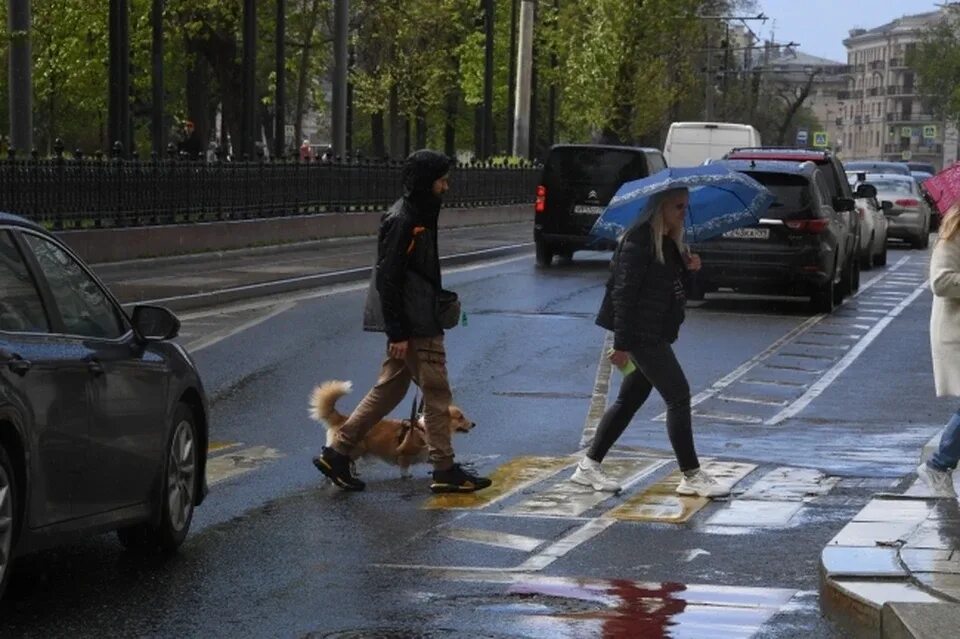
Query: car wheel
[(178, 491), (881, 258), (866, 262), (8, 517), (855, 267), (925, 240), (824, 300), (544, 254)]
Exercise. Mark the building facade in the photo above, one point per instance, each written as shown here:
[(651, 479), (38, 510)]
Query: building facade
[(881, 112)]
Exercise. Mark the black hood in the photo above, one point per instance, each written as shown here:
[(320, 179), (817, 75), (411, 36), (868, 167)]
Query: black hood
[(422, 169)]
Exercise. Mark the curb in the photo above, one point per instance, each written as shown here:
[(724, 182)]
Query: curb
[(195, 301)]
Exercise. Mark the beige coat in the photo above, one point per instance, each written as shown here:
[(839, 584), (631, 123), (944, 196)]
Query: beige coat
[(945, 318)]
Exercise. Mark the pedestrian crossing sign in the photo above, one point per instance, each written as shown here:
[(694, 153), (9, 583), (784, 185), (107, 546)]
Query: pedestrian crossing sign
[(820, 139), (929, 132)]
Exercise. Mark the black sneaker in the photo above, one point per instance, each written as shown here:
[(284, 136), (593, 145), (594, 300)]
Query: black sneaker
[(457, 480), (337, 468)]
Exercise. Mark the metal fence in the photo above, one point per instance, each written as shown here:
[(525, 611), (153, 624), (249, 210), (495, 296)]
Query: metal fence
[(99, 192)]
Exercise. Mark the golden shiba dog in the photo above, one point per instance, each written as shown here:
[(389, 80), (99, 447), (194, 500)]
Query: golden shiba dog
[(395, 441)]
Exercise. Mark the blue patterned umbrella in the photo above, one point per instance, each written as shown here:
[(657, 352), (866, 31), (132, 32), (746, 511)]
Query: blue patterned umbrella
[(720, 200)]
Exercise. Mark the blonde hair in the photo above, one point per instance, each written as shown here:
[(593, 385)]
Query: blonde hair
[(658, 225), (950, 224)]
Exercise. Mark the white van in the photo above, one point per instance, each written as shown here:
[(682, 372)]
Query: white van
[(691, 143)]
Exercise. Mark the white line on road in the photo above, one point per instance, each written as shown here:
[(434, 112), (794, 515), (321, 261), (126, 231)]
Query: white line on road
[(601, 388), (219, 336), (824, 382)]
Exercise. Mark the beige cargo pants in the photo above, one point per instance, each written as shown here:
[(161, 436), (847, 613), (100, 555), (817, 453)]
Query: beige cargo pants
[(426, 365)]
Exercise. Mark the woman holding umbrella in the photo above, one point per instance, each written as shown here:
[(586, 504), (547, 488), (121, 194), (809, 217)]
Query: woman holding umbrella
[(937, 472), (644, 307)]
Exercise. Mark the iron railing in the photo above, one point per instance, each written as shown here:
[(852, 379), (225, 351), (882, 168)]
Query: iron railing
[(98, 192)]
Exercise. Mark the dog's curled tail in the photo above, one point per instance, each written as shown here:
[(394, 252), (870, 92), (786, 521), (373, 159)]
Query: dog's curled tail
[(323, 402)]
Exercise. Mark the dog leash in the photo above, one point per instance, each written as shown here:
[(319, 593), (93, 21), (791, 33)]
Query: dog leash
[(415, 411)]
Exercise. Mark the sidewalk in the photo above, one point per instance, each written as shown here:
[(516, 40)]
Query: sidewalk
[(894, 571), (207, 279)]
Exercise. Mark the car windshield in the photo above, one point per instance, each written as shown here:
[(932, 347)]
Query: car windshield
[(792, 193), (892, 186)]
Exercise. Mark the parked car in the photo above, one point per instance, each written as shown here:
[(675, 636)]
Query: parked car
[(877, 166), (925, 167), (873, 227), (920, 177), (103, 420), (577, 183), (840, 195), (801, 246), (695, 143), (909, 215)]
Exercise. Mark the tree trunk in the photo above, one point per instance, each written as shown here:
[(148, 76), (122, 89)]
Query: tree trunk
[(450, 124), (303, 73), (794, 107), (421, 136), (198, 92), (396, 125), (377, 135)]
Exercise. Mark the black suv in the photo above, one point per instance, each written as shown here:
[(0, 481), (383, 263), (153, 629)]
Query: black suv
[(800, 247), (578, 182), (840, 194)]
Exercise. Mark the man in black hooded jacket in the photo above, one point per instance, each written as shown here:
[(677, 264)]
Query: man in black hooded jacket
[(404, 301)]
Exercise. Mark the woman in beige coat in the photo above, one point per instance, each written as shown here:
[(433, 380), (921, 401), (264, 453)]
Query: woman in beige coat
[(937, 473)]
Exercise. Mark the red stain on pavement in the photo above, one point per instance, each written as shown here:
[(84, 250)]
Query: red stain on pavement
[(630, 609)]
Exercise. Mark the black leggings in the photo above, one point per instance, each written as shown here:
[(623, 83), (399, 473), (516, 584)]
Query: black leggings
[(657, 367)]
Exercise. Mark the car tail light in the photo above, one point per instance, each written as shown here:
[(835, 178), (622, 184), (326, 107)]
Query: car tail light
[(541, 199), (808, 226), (862, 211), (908, 203)]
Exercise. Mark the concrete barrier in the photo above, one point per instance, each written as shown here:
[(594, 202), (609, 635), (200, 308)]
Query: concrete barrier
[(114, 245)]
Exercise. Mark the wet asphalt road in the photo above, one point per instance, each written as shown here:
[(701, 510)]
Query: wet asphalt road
[(275, 552)]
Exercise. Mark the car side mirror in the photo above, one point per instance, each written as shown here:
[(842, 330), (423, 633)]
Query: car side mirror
[(843, 204), (866, 190), (155, 323), (886, 205)]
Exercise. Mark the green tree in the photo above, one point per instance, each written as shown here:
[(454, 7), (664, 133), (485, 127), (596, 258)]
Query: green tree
[(936, 61)]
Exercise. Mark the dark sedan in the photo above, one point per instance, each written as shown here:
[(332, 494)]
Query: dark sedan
[(103, 419)]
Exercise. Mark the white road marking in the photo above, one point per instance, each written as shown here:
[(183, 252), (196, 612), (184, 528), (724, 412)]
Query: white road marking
[(690, 555), (728, 417), (601, 388), (219, 336), (747, 366), (494, 538), (751, 400), (562, 546), (824, 382)]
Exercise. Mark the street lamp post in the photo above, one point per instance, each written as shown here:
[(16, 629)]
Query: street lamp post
[(21, 83), (118, 129), (248, 121), (156, 77), (280, 103)]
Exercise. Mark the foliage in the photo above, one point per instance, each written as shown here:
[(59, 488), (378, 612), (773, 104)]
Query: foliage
[(936, 61)]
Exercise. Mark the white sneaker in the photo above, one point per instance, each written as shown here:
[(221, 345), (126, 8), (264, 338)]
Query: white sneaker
[(940, 482), (589, 473), (702, 484)]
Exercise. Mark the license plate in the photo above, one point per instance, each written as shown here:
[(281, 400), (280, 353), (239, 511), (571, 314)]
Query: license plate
[(748, 234), (583, 209)]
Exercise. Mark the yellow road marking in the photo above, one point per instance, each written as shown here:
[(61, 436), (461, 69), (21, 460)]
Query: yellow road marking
[(216, 447), (509, 478), (224, 467), (661, 503)]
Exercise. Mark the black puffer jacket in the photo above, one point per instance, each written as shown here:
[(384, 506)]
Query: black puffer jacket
[(641, 305), (402, 299)]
